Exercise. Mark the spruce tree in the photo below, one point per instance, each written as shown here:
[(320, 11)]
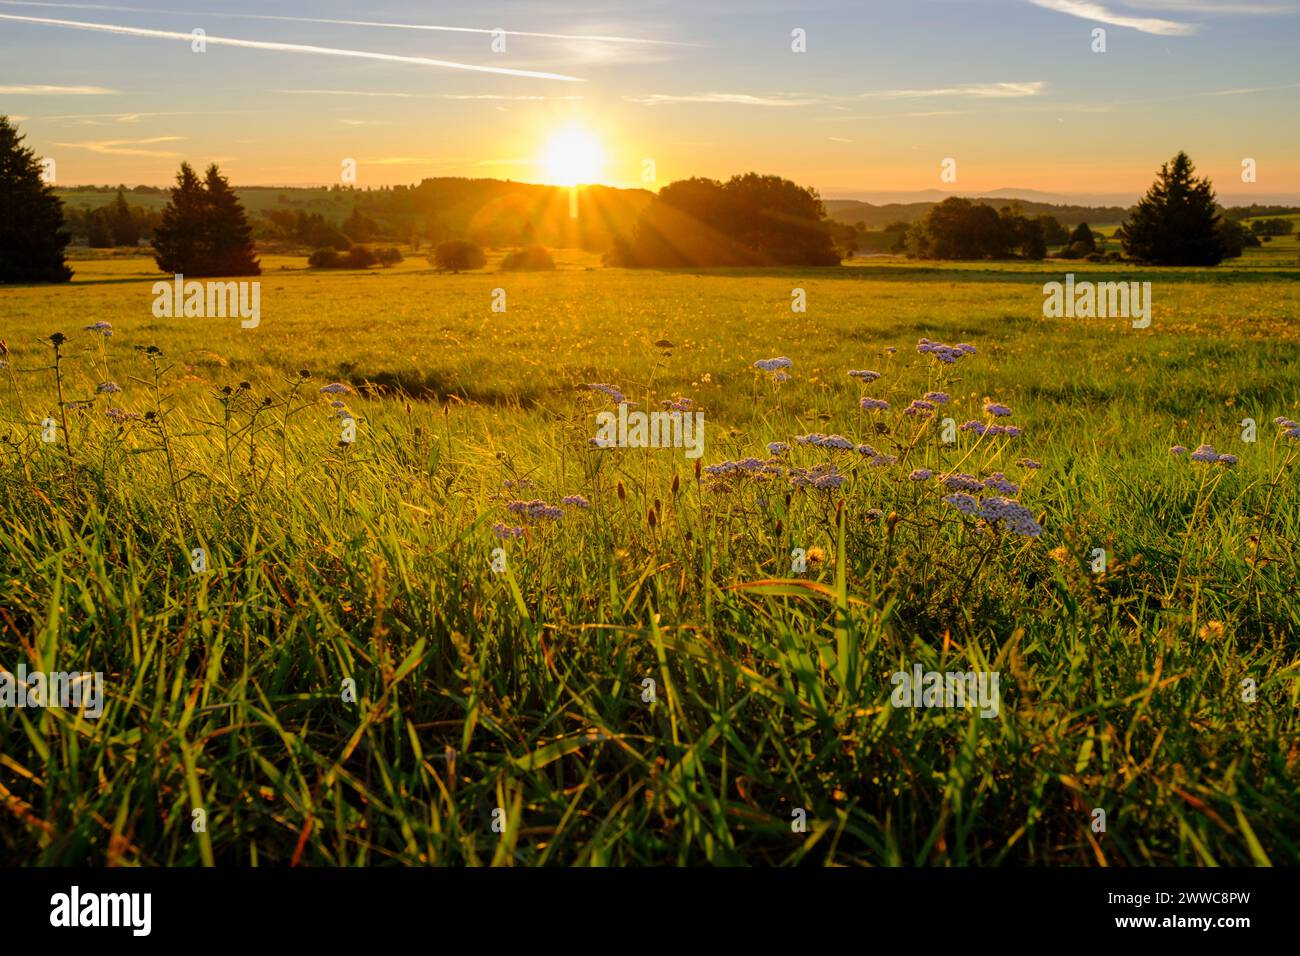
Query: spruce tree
[(1177, 222), (126, 232), (32, 239), (230, 237), (204, 231), (178, 242)]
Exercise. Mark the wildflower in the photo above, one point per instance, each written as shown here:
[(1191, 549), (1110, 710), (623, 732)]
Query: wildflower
[(1178, 450), (535, 509), (780, 377), (1284, 422), (1011, 431), (996, 409), (998, 482), (875, 513), (777, 447), (961, 482), (1205, 453), (517, 483), (920, 407), (880, 461), (1211, 630), (101, 328), (874, 404), (1291, 433), (865, 374), (828, 481), (963, 503), (610, 390), (120, 417), (773, 364), (576, 500), (335, 388), (866, 450), (506, 532), (939, 398), (1030, 463), (824, 441), (964, 347), (1011, 513), (601, 442), (108, 388), (823, 476), (920, 474), (678, 404), (979, 428), (1227, 460), (750, 465), (891, 349)]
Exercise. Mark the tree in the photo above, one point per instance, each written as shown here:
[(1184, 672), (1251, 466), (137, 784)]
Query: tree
[(1082, 239), (204, 231), (1177, 222), (99, 229), (32, 238), (749, 220), (1054, 234), (960, 229), (455, 255), (1235, 238), (122, 223), (230, 236)]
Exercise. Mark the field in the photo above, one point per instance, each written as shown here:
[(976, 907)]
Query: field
[(502, 710)]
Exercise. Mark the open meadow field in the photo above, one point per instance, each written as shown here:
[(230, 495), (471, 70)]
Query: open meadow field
[(356, 651)]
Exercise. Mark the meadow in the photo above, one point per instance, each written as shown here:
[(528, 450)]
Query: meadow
[(501, 712)]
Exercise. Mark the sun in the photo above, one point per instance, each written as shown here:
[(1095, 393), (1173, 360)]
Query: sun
[(572, 157)]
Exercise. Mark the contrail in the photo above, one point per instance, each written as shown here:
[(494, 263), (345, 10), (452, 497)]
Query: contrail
[(290, 47), (351, 23)]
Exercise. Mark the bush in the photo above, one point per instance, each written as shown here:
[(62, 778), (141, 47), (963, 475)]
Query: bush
[(360, 257), (456, 255), (389, 256), (531, 259), (324, 259)]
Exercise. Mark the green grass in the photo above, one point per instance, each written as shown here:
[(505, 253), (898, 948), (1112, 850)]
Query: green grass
[(522, 690)]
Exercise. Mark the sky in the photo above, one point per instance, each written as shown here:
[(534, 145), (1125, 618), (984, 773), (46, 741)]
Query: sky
[(1012, 91)]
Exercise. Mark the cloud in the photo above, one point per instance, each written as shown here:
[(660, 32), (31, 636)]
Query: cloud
[(428, 96), (598, 38), (735, 99), (126, 147), (57, 90), (840, 139), (1088, 10), (289, 47), (988, 90), (1218, 6)]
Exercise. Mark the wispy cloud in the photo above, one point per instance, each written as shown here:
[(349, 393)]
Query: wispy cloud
[(1218, 6), (57, 90), (383, 24), (972, 90), (426, 96), (1101, 14), (840, 139), (737, 99), (289, 47), (127, 147), (987, 90)]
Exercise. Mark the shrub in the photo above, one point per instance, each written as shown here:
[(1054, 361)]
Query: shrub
[(530, 259), (324, 259), (389, 256), (456, 255)]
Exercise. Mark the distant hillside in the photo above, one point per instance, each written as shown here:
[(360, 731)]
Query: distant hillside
[(852, 211)]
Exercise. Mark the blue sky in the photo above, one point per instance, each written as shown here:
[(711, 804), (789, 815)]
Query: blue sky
[(1010, 89)]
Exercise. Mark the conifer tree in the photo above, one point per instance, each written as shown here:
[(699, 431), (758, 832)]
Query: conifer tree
[(32, 239), (1177, 222)]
